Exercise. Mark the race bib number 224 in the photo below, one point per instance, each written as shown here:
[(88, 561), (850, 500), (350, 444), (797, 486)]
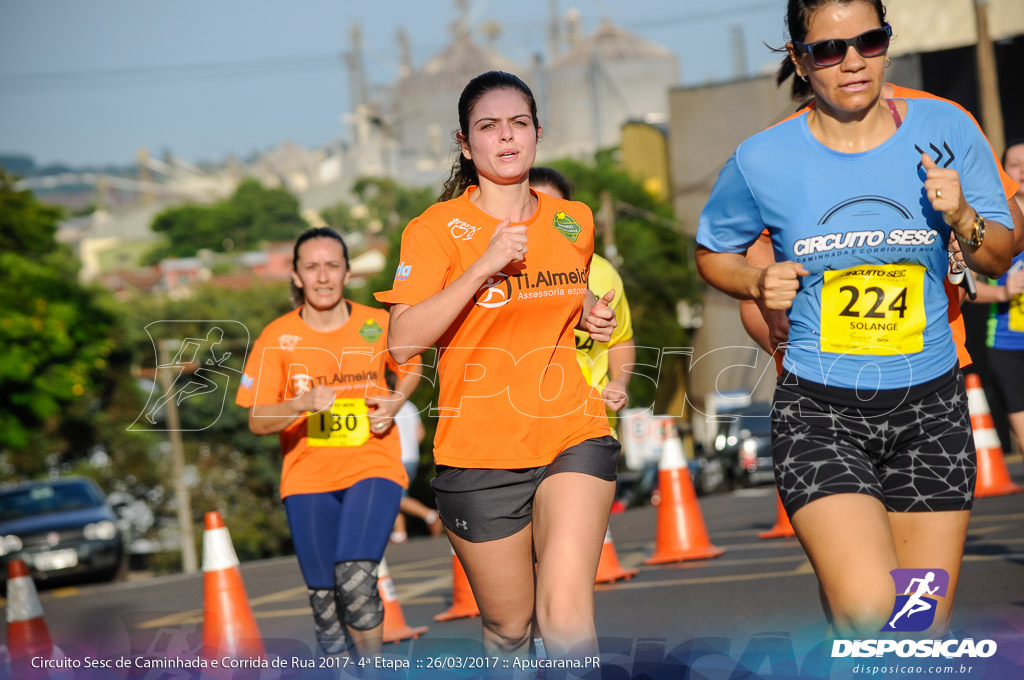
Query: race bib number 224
[(873, 309)]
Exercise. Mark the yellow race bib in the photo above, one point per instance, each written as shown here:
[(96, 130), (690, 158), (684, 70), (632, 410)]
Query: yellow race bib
[(1017, 313), (873, 309), (347, 424)]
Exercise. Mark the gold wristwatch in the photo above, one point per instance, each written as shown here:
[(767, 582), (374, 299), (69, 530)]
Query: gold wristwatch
[(977, 232)]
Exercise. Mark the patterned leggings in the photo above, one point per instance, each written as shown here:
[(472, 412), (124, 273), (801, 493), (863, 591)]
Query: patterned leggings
[(914, 454)]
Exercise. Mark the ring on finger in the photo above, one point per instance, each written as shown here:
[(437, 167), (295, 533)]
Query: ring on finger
[(938, 193)]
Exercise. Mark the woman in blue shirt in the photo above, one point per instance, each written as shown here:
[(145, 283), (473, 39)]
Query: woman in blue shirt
[(870, 431), (1005, 338)]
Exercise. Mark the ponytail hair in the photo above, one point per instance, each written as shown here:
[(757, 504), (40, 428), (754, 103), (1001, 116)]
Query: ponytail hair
[(463, 173), (462, 176), (800, 90)]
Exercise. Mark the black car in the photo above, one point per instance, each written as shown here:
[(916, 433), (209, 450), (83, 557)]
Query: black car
[(743, 445), (60, 528)]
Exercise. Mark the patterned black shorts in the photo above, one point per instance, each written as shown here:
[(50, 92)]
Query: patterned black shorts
[(912, 449)]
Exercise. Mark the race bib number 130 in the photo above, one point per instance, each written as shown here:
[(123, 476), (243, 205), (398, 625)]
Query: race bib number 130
[(873, 309), (346, 424)]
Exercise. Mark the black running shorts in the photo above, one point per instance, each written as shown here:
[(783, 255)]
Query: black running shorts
[(1008, 372), (484, 505)]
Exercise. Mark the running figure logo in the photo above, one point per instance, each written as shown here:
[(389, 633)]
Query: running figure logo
[(496, 292), (917, 591), (189, 364), (301, 383)]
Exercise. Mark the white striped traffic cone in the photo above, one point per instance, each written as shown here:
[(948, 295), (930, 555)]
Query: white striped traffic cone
[(229, 628), (463, 602), (993, 476), (681, 533), (395, 627), (28, 636), (609, 569)]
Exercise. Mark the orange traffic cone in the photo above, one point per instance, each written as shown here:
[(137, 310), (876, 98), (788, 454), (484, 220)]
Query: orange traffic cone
[(463, 601), (27, 634), (681, 533), (608, 569), (229, 628), (782, 528), (993, 477), (395, 627)]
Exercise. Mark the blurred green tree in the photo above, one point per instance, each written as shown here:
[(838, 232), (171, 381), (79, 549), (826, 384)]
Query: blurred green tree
[(55, 343), (252, 215)]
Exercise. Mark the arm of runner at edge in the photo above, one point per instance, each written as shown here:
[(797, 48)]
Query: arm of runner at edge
[(1018, 226), (386, 408), (990, 292), (598, 318), (776, 285), (992, 257), (619, 357), (415, 328), (767, 327)]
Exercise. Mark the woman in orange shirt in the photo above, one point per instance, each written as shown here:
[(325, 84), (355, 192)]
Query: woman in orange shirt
[(316, 377), (496, 276)]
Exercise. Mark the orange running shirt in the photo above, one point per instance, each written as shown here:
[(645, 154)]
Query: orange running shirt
[(288, 359), (512, 394), (956, 319)]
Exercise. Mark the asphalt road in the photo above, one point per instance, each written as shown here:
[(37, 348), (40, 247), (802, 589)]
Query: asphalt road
[(753, 610)]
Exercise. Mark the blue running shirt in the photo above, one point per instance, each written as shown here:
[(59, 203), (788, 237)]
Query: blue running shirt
[(872, 312), (1006, 319)]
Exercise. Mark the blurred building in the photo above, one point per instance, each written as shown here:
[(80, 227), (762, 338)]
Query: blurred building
[(406, 130), (607, 79), (422, 109), (645, 156), (403, 130)]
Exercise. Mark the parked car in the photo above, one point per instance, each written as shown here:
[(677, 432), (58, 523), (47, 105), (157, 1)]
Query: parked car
[(707, 472), (60, 528), (743, 445)]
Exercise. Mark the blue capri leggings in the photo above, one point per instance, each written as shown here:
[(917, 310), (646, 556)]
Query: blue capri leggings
[(341, 526)]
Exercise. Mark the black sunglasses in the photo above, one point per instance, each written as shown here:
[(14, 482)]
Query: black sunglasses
[(873, 43)]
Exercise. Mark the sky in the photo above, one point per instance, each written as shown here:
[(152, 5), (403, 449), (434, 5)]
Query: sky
[(89, 83)]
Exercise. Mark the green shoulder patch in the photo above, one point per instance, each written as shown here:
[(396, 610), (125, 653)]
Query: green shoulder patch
[(567, 226), (371, 331)]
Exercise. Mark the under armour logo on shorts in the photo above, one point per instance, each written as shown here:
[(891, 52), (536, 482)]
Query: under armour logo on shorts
[(462, 524)]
